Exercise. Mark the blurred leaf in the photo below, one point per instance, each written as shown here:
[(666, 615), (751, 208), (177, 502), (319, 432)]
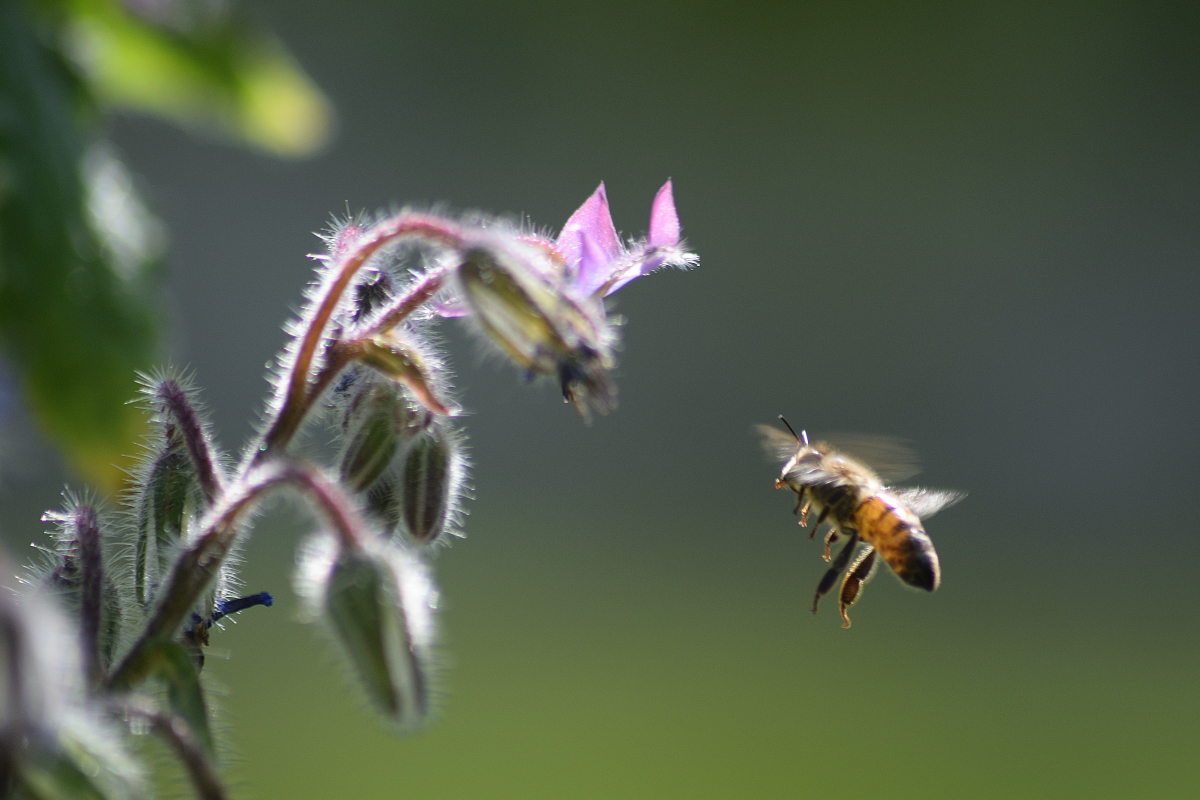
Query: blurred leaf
[(56, 776), (75, 240), (208, 71), (74, 316)]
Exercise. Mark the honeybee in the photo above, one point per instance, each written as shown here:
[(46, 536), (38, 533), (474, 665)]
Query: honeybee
[(875, 519)]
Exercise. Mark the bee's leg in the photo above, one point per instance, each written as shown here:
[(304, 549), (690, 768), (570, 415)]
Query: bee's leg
[(835, 569), (853, 582), (820, 520), (799, 499), (802, 505), (830, 539)]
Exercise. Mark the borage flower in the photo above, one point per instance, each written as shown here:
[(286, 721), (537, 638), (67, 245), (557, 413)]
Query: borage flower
[(598, 264), (541, 300), (540, 321)]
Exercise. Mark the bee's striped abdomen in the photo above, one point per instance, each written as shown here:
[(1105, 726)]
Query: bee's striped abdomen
[(897, 533)]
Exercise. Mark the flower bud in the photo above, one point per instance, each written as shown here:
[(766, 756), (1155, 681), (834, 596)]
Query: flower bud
[(378, 420), (534, 318), (378, 600), (434, 469), (164, 503), (384, 501), (78, 571)]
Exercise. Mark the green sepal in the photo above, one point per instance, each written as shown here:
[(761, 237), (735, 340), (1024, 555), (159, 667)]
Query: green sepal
[(403, 362)]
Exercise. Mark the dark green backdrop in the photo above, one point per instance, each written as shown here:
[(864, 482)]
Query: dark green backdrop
[(971, 225)]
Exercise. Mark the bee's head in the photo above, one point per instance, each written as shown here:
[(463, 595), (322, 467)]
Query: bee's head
[(807, 458)]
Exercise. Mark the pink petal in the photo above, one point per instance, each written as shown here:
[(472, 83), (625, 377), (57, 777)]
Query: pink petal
[(664, 221), (593, 220), (595, 266), (643, 264)]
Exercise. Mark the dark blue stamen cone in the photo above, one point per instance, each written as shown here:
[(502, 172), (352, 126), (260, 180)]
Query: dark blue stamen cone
[(227, 607)]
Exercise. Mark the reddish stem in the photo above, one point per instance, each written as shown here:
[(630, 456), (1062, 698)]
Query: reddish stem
[(198, 565), (299, 399)]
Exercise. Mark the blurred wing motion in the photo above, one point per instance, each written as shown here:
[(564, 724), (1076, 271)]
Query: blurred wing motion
[(926, 502), (892, 458), (779, 444)]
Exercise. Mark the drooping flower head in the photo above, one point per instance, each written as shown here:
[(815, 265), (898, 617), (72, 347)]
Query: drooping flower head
[(540, 321), (540, 299)]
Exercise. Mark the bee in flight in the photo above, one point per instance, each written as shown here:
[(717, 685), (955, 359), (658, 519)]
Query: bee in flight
[(875, 519)]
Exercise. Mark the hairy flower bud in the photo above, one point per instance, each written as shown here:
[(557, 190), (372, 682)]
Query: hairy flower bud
[(434, 468), (538, 322), (78, 570), (370, 451), (379, 602), (164, 502), (407, 465), (378, 420)]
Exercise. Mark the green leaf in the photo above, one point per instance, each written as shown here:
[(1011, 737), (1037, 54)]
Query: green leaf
[(76, 245), (74, 320), (214, 72)]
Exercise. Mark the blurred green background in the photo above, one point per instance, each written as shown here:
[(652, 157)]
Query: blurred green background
[(971, 225)]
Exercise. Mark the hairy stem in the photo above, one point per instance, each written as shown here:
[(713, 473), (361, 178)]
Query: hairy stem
[(341, 352), (199, 564), (298, 398), (86, 531), (175, 732), (175, 402)]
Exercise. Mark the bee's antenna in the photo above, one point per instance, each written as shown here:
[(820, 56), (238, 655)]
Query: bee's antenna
[(802, 439)]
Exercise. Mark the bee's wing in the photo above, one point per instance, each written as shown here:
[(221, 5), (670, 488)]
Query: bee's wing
[(926, 502), (892, 458), (780, 445)]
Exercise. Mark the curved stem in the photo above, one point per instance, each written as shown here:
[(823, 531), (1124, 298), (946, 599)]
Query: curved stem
[(176, 403), (340, 353), (198, 565), (298, 399)]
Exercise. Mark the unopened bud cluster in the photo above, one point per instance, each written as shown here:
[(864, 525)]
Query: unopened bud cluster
[(110, 631)]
